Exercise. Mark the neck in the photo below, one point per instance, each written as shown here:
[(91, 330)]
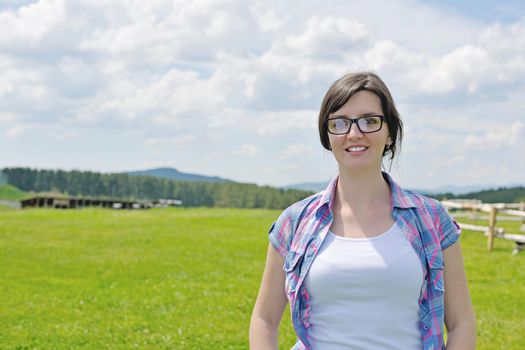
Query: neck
[(361, 190)]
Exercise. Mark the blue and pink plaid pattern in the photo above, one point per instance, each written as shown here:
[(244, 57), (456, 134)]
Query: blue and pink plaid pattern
[(300, 230)]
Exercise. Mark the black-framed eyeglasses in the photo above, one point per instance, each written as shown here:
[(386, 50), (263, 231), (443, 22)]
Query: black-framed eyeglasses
[(366, 124)]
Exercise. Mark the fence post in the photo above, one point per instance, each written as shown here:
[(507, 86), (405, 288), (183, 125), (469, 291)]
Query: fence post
[(522, 228), (492, 225), (474, 212)]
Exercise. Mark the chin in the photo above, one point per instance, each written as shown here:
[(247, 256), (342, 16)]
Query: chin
[(358, 166)]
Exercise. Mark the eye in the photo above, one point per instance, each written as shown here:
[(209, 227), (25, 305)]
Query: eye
[(371, 120), (338, 124)]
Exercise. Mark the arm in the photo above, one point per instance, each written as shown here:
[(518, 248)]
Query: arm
[(270, 304), (459, 315)]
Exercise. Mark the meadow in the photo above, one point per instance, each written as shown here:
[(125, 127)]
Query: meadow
[(180, 279)]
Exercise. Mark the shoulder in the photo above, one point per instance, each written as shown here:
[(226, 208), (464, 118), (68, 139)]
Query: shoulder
[(435, 215), (282, 231), (299, 209), (424, 203), (404, 198)]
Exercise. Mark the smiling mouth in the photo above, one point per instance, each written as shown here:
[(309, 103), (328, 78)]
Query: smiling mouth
[(356, 149)]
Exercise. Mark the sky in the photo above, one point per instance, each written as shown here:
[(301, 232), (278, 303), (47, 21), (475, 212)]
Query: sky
[(233, 88)]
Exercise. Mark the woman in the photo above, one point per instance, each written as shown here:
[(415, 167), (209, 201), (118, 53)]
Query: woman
[(364, 264)]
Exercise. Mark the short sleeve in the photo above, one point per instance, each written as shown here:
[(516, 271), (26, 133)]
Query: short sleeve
[(280, 233), (448, 228)]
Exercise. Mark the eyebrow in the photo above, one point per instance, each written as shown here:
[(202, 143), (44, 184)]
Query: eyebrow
[(357, 116)]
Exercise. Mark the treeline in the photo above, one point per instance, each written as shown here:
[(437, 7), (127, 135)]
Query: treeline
[(500, 195), (124, 186)]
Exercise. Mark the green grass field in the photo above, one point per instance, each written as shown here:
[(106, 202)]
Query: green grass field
[(180, 279)]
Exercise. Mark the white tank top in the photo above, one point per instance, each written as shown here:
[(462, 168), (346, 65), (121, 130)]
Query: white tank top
[(364, 293)]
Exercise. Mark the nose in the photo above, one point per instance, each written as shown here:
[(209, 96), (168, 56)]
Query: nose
[(354, 131)]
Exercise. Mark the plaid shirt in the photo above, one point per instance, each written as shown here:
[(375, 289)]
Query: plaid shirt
[(300, 230)]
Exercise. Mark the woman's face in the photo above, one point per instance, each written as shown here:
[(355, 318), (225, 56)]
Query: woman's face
[(344, 146)]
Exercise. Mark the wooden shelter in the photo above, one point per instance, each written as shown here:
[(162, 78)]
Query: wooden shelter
[(70, 203)]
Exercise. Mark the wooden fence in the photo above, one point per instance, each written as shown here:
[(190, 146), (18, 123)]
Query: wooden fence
[(510, 211)]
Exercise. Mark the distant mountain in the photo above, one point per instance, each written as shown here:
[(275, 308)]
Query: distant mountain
[(174, 174), (460, 190), (499, 195), (456, 190)]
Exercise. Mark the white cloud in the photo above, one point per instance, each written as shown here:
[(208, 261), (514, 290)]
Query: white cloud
[(283, 122), (25, 84), (269, 21), (248, 150), (506, 136), (31, 22), (325, 38), (386, 54), (15, 131), (234, 153), (176, 98), (500, 37), (7, 118), (63, 135), (178, 140), (297, 151), (466, 66)]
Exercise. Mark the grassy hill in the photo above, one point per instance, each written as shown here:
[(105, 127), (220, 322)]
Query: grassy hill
[(181, 279), (11, 193)]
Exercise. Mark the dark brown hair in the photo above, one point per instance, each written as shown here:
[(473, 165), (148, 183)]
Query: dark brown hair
[(344, 88)]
